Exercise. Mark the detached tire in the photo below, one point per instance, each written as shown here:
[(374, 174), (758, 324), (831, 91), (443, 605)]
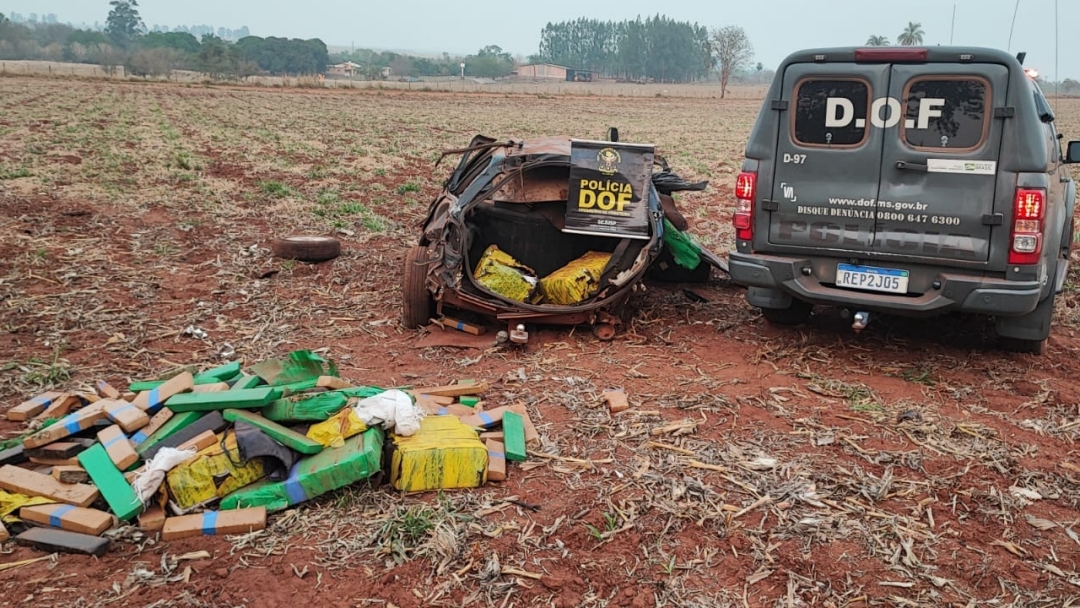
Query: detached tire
[(415, 298), (796, 314), (307, 248)]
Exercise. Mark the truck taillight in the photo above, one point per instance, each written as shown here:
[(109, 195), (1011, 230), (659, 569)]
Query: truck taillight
[(745, 193), (1029, 211)]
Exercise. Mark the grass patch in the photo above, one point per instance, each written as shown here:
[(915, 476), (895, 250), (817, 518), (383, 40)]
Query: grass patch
[(275, 189), (183, 160), (408, 187), (14, 173), (39, 373), (330, 205)]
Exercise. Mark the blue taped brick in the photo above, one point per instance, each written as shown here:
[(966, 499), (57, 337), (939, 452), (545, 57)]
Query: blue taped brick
[(209, 525)]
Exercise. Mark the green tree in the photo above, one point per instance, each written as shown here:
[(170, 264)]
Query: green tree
[(180, 41), (733, 52), (1069, 85), (124, 25), (912, 34), (877, 41)]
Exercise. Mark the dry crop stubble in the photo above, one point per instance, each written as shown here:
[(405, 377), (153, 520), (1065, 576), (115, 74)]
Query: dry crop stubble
[(910, 465)]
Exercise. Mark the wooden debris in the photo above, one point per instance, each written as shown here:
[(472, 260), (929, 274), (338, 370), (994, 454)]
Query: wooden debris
[(117, 446), (68, 517), (154, 398), (496, 469), (152, 519), (236, 521), (32, 407), (452, 390), (107, 391), (469, 328), (22, 481), (67, 426), (486, 420), (616, 400), (62, 406), (70, 474)]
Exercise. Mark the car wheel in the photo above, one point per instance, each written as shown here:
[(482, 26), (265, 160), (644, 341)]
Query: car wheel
[(796, 314), (415, 298), (307, 248)]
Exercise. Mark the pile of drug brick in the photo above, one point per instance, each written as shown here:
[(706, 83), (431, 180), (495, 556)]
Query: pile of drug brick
[(215, 451)]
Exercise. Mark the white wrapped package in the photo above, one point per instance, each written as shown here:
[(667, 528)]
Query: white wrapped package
[(392, 410), (147, 482)]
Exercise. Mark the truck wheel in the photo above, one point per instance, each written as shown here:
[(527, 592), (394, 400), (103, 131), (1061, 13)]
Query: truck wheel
[(796, 314), (1018, 345), (415, 298), (1034, 326)]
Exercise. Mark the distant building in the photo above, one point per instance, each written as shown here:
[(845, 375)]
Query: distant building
[(550, 71), (347, 68)]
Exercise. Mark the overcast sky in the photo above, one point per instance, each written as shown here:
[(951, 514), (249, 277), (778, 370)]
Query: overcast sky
[(776, 27)]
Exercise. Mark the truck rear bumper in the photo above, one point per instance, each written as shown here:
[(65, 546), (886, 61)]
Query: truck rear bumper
[(957, 292)]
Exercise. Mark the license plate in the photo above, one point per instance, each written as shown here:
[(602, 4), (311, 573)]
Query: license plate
[(871, 278)]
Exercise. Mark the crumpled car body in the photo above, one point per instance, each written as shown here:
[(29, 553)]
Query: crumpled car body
[(513, 194)]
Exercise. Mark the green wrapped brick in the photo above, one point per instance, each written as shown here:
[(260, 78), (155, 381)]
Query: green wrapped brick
[(149, 385), (283, 435), (514, 436), (333, 468), (222, 373), (245, 382), (250, 398), (362, 392), (313, 409), (173, 425), (110, 481)]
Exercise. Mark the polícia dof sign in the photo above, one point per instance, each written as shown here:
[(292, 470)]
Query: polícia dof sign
[(840, 113), (605, 195)]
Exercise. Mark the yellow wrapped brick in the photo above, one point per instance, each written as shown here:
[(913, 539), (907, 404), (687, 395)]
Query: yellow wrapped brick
[(443, 454), (333, 432), (577, 281), (213, 473), (501, 273)]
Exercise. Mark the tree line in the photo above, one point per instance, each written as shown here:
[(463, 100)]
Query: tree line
[(125, 41), (489, 62), (658, 48)]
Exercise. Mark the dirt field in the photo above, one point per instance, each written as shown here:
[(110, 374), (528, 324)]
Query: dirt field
[(428, 84), (910, 465)]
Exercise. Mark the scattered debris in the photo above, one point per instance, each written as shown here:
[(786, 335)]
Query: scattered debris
[(616, 400), (213, 452)]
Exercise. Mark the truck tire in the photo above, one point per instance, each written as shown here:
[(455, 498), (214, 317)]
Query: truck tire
[(415, 298), (307, 248), (796, 314), (1035, 326)]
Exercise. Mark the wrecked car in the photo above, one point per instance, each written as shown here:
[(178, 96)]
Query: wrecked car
[(551, 230)]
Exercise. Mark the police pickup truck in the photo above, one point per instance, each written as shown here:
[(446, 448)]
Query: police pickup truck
[(910, 181)]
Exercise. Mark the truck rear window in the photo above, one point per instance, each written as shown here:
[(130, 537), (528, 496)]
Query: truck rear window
[(831, 112), (946, 114)]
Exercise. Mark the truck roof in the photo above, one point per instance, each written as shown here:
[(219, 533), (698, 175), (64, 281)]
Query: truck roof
[(896, 54)]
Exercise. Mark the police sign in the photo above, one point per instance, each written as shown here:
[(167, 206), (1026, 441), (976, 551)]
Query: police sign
[(609, 189)]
